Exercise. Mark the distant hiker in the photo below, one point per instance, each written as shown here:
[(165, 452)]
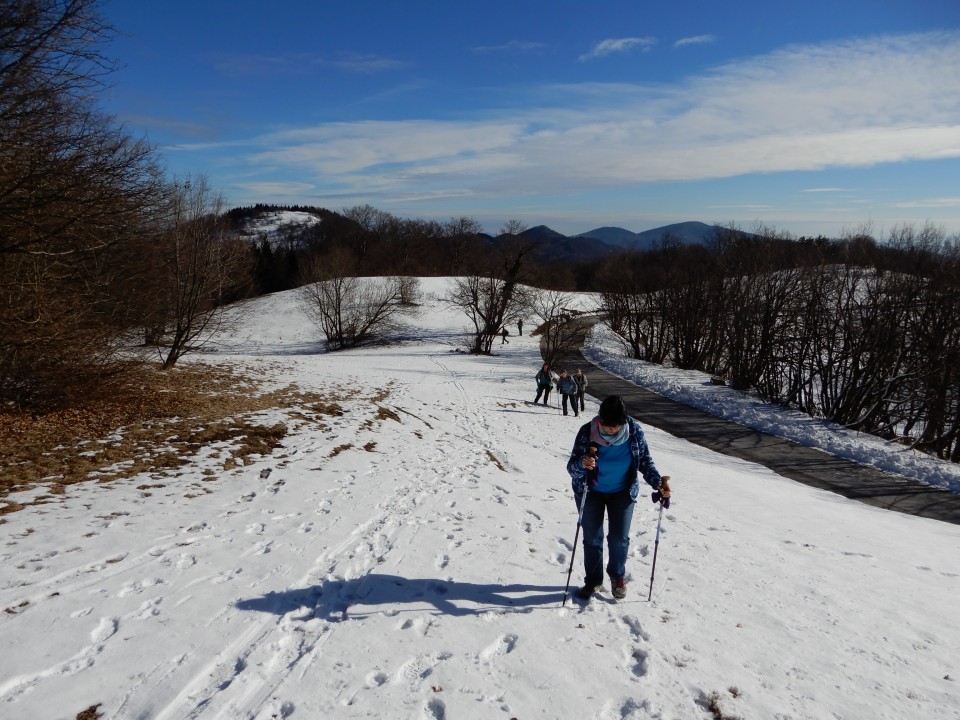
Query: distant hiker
[(544, 380), (608, 482), (503, 334), (567, 388), (581, 380), (520, 327)]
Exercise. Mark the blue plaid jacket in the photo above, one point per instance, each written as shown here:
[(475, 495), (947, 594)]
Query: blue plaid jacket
[(641, 463)]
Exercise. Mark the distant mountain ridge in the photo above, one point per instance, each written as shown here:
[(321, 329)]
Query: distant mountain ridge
[(611, 240), (687, 233)]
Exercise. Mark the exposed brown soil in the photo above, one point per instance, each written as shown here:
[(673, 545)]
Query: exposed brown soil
[(157, 423)]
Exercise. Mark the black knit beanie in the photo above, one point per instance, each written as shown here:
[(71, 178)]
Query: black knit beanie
[(612, 411)]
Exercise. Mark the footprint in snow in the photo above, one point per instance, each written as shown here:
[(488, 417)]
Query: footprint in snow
[(636, 629), (419, 624), (640, 660), (138, 586), (435, 710), (503, 645), (421, 667), (376, 679), (106, 629)]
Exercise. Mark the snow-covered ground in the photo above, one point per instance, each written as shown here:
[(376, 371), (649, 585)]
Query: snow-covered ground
[(277, 225), (407, 559)]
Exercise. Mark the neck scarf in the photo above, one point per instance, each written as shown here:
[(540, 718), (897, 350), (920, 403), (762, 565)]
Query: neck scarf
[(601, 438)]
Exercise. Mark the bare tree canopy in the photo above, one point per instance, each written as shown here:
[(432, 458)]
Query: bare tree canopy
[(497, 297), (76, 194), (199, 262), (350, 310), (560, 331)]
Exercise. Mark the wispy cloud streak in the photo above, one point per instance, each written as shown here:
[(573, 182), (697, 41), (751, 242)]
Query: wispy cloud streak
[(695, 40), (512, 46), (618, 45)]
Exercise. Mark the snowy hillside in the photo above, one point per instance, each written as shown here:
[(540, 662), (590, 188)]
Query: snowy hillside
[(404, 555), (277, 225)]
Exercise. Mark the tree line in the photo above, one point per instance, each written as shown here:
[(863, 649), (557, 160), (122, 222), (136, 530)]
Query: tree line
[(861, 333)]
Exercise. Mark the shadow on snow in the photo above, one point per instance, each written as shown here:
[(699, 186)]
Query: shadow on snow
[(337, 600)]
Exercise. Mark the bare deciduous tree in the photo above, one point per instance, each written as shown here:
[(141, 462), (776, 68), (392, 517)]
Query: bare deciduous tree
[(491, 299), (350, 310), (561, 333), (200, 263)]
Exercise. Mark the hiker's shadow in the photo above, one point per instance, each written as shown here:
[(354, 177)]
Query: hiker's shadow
[(342, 599)]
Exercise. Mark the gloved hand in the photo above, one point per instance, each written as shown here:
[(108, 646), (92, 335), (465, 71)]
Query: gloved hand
[(589, 463), (662, 495)]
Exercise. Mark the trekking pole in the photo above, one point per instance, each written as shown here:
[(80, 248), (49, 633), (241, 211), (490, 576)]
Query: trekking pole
[(656, 544), (592, 450), (576, 537)]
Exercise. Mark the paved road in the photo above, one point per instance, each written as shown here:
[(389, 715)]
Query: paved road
[(806, 465)]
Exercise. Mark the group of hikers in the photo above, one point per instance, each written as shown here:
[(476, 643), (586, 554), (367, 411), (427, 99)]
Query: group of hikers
[(570, 387), (610, 454)]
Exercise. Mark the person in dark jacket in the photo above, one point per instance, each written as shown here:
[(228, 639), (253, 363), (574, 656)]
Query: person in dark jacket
[(581, 380), (609, 455), (544, 384), (568, 391), (520, 326)]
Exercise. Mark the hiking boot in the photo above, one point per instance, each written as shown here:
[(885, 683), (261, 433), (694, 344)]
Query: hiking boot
[(587, 591), (618, 587)]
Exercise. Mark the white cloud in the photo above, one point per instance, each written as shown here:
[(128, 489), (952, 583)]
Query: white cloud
[(695, 40), (930, 203), (618, 45)]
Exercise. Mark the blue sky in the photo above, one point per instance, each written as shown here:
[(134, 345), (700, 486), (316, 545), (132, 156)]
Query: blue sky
[(809, 117)]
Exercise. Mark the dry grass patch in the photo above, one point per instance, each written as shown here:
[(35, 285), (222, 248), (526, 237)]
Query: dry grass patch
[(158, 423)]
